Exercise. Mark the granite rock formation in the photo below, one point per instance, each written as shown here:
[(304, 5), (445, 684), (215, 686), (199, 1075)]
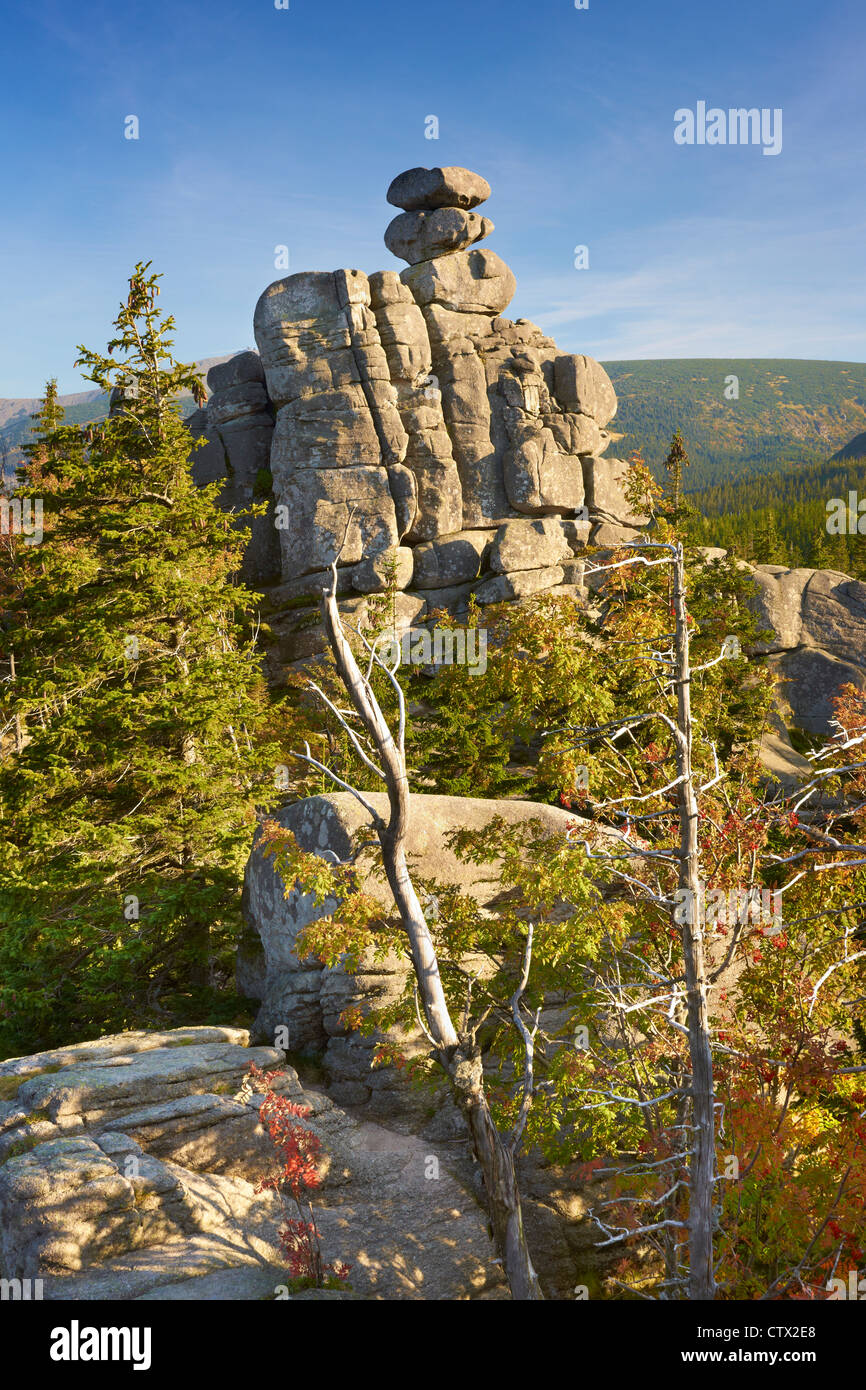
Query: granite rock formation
[(818, 618), (404, 420), (399, 422), (309, 999)]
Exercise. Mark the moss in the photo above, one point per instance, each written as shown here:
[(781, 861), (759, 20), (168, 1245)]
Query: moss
[(10, 1085), (310, 1068), (264, 483), (301, 601), (20, 1146)]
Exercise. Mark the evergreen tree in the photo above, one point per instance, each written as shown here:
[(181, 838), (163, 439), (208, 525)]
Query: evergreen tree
[(47, 418), (129, 804), (677, 459), (769, 547)]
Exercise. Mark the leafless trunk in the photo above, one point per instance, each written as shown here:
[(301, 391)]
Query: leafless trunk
[(458, 1055), (702, 1165)]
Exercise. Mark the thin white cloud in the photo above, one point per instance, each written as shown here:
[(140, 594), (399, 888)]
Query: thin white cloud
[(711, 288)]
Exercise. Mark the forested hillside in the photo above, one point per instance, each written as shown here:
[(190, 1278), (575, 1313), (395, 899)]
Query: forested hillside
[(783, 518), (788, 413)]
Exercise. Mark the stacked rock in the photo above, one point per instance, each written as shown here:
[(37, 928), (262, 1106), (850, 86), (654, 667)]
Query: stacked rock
[(437, 219), (420, 434)]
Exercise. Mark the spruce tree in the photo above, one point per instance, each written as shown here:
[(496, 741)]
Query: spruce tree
[(47, 418), (129, 804), (770, 548), (677, 459)]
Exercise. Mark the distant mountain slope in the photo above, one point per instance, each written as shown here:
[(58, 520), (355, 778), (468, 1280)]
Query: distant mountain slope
[(789, 412), (80, 408), (854, 449)]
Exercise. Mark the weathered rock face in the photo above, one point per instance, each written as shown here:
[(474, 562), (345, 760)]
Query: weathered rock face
[(136, 1177), (305, 997), (402, 423), (451, 187), (237, 426), (401, 411), (416, 236), (818, 618)]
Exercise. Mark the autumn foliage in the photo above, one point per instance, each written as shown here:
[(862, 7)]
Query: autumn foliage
[(296, 1175)]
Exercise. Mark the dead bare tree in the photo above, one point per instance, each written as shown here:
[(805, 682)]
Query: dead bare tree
[(646, 1000), (457, 1050), (666, 994)]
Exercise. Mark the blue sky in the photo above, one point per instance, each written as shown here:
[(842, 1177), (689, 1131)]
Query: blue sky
[(261, 127)]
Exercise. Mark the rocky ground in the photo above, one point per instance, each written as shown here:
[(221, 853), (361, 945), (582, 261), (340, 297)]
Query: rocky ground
[(128, 1170), (129, 1167)]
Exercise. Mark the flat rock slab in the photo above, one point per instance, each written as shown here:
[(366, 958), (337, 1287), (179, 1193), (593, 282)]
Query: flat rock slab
[(442, 1252), (96, 1091), (162, 1270), (246, 1283), (117, 1045)]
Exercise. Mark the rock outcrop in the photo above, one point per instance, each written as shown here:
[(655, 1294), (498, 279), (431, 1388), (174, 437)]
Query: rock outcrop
[(399, 422), (307, 999), (409, 427), (129, 1169), (818, 618), (236, 428)]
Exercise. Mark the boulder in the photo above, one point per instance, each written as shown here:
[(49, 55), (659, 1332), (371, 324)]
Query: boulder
[(331, 511), (609, 535), (834, 615), (450, 560), (778, 604), (605, 483), (582, 384), (522, 584), (235, 402), (810, 680), (243, 368), (451, 187), (538, 476), (418, 236), (473, 281), (325, 825), (528, 545), (373, 575)]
